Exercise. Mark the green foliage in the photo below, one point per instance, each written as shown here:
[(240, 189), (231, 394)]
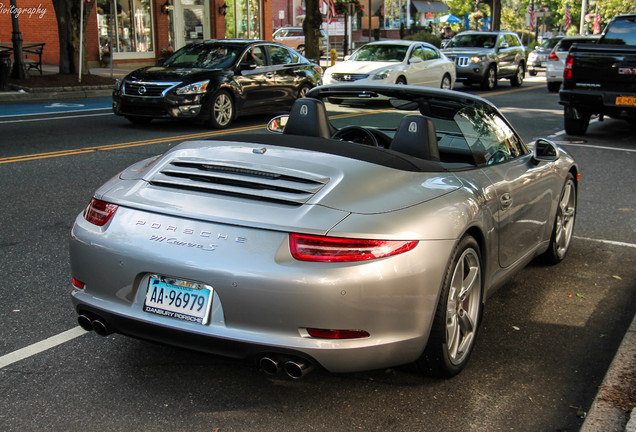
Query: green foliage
[(426, 37)]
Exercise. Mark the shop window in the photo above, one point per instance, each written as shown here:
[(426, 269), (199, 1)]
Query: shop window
[(130, 28)]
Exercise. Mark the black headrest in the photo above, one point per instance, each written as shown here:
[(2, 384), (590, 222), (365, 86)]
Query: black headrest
[(416, 137), (308, 117)]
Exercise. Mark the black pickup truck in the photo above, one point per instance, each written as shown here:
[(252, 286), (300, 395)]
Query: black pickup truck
[(600, 79)]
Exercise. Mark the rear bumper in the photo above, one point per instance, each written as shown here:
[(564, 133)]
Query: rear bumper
[(613, 104)]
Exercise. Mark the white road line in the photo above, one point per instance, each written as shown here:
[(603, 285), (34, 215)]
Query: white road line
[(599, 147), (55, 118), (38, 347), (612, 242)]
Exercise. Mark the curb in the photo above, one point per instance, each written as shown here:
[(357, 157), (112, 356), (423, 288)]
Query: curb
[(604, 416)]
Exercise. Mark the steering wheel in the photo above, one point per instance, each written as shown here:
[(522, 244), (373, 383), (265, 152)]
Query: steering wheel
[(356, 134)]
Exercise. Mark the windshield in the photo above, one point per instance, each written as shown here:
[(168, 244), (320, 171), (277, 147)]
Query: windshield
[(383, 53), (204, 56), (473, 41)]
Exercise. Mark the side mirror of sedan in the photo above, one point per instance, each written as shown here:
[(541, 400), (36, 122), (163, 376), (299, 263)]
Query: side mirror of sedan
[(414, 60), (545, 151), (277, 124)]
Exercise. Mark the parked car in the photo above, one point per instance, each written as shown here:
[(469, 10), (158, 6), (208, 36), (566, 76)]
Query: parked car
[(394, 62), (294, 37), (538, 57), (485, 57), (215, 81), (369, 233), (556, 60)]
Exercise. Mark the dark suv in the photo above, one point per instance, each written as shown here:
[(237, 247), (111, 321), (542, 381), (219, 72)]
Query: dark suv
[(485, 57)]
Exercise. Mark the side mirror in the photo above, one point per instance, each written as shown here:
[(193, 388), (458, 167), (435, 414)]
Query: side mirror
[(545, 151), (414, 60), (277, 124)]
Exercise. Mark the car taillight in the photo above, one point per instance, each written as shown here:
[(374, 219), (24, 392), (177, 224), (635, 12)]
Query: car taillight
[(553, 56), (337, 334), (99, 212), (567, 71), (336, 249)]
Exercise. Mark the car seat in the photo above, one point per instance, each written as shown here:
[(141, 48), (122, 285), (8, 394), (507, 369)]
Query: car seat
[(415, 136)]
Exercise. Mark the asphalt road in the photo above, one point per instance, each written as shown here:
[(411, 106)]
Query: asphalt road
[(545, 343)]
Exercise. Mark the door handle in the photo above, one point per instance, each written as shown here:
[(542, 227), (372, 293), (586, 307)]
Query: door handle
[(506, 201)]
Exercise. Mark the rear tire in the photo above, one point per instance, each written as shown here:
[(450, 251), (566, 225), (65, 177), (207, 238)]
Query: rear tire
[(517, 79), (302, 92), (563, 224), (554, 86), (576, 126), (400, 81), (458, 313)]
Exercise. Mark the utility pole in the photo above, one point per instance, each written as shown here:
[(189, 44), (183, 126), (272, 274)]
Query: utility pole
[(583, 27), (18, 71)]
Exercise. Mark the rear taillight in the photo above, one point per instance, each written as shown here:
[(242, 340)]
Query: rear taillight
[(553, 56), (567, 71), (99, 212), (78, 283), (335, 249)]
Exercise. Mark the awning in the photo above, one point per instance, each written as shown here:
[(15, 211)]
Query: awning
[(430, 6)]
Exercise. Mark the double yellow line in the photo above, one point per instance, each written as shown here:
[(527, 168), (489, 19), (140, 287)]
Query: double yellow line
[(107, 147)]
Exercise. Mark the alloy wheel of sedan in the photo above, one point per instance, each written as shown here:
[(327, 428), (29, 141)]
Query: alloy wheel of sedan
[(446, 82), (490, 80), (222, 110), (563, 224)]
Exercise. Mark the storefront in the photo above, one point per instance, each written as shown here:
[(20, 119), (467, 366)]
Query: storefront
[(141, 31)]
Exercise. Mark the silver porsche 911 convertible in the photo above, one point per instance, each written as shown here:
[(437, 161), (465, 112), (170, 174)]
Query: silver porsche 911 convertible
[(363, 230)]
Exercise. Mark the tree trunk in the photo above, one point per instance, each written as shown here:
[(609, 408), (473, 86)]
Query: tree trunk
[(311, 27), (67, 13)]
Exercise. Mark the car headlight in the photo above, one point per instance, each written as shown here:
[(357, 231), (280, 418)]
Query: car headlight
[(118, 84), (383, 74), (194, 88), (477, 59)]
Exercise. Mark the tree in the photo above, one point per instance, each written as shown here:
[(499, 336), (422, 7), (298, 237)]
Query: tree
[(67, 13), (311, 28)]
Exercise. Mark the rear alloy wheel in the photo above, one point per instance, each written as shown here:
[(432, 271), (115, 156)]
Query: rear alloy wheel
[(490, 80), (303, 91), (446, 82), (563, 224), (222, 110), (520, 73), (457, 316)]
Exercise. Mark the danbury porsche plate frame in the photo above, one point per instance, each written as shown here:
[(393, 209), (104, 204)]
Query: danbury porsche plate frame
[(180, 299)]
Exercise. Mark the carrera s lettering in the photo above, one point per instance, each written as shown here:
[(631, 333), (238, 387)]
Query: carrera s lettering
[(177, 242), (189, 231)]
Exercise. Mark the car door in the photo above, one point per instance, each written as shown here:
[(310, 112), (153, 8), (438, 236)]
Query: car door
[(290, 74), (416, 70), (255, 78), (524, 190), (505, 57), (434, 67)]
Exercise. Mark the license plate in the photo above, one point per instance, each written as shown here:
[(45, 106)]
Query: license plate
[(180, 299), (626, 100)]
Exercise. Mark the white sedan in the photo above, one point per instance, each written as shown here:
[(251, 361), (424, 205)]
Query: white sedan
[(395, 62)]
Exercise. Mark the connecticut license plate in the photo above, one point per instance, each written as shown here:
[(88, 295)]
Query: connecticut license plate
[(180, 299), (626, 100)]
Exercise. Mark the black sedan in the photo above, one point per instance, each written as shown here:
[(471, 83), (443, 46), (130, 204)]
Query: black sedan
[(215, 81)]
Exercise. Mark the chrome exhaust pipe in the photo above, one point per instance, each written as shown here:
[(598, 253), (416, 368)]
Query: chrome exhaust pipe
[(269, 365), (100, 327), (298, 368), (84, 322)]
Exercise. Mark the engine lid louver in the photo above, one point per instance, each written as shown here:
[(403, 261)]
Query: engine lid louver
[(260, 183)]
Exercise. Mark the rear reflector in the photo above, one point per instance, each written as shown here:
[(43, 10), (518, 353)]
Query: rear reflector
[(335, 249), (78, 283), (337, 334), (99, 212)]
